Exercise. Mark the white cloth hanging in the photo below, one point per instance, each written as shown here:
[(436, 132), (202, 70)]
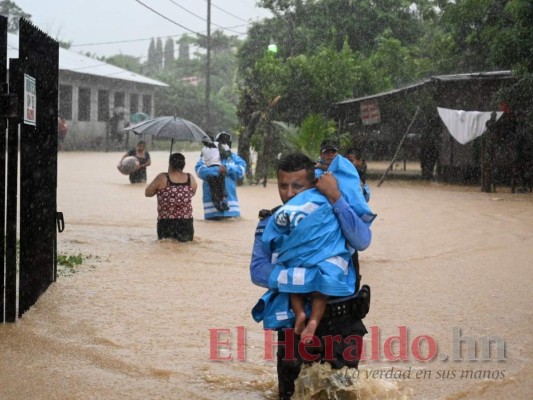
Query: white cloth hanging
[(465, 126)]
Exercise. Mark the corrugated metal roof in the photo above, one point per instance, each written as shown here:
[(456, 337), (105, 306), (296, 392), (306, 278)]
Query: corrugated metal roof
[(443, 78), (473, 75), (78, 63), (390, 92)]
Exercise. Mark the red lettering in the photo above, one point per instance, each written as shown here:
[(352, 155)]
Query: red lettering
[(353, 353), (241, 343), (375, 342), (432, 348), (402, 341), (328, 344), (315, 342), (215, 343), (288, 343)]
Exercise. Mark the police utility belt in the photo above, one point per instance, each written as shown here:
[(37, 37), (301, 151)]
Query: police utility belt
[(356, 306)]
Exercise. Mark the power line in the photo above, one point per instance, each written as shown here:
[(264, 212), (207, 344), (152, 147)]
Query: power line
[(138, 40), (229, 28), (202, 18), (122, 41), (168, 19), (174, 22), (227, 12), (200, 34), (134, 40), (114, 42), (183, 8)]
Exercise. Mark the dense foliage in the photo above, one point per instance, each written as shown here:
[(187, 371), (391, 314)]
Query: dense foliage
[(331, 50), (328, 51), (13, 12)]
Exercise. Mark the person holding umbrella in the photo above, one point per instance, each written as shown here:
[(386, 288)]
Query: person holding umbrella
[(234, 168), (171, 127)]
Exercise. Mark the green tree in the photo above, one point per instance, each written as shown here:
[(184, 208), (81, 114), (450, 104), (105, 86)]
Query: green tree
[(308, 25), (313, 130), (185, 97), (13, 12), (512, 37), (309, 84), (395, 63), (64, 44), (151, 61), (158, 56), (513, 44), (130, 63), (291, 90), (184, 43), (168, 59), (471, 25), (180, 98)]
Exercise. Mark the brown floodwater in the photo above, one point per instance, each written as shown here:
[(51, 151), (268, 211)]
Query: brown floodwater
[(141, 318)]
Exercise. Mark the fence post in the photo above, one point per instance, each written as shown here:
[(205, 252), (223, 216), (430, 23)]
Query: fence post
[(3, 130)]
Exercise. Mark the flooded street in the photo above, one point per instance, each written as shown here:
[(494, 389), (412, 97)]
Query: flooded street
[(448, 265)]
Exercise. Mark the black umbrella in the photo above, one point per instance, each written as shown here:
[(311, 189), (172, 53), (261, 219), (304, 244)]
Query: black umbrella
[(175, 128)]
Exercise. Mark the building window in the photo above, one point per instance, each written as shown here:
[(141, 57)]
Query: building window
[(65, 101), (120, 97), (134, 103), (147, 104), (84, 104), (103, 105)]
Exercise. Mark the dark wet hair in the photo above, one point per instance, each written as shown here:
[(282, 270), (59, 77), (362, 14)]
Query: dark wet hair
[(224, 138), (176, 161), (296, 162), (329, 144), (354, 151)]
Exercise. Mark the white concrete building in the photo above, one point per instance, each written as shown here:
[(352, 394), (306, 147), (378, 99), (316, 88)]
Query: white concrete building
[(89, 91)]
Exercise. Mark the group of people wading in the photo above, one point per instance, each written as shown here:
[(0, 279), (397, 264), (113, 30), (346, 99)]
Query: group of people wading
[(305, 252)]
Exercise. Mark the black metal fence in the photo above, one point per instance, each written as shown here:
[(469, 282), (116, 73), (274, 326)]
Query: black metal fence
[(29, 110)]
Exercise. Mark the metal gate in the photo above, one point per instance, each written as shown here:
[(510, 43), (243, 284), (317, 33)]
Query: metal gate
[(28, 116)]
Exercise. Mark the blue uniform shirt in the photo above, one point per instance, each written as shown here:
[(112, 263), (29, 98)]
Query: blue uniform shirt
[(235, 170), (357, 234)]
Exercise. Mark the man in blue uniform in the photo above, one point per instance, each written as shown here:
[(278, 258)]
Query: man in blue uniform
[(343, 315), (234, 168)]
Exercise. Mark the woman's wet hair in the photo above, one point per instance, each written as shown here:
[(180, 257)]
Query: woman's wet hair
[(296, 162), (176, 161)]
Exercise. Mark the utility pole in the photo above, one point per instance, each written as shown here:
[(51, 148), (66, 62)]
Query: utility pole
[(207, 125)]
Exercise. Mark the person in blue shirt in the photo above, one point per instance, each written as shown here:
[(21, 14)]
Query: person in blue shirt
[(234, 168), (329, 148), (355, 156), (342, 317)]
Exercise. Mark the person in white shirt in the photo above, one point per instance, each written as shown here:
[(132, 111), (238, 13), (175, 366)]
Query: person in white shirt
[(211, 156)]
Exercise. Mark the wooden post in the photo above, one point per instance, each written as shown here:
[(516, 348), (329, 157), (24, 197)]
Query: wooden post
[(207, 126), (486, 159), (399, 147)]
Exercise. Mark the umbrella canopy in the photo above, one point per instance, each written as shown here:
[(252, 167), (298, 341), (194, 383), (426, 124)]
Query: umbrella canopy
[(138, 117), (177, 129)]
